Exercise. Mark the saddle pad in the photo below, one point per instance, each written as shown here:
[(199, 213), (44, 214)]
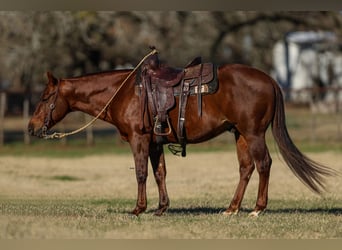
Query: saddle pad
[(204, 70), (209, 83)]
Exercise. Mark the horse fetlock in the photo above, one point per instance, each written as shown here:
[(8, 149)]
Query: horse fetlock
[(161, 209)]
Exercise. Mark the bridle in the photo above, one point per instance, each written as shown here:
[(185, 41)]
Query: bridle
[(52, 107)]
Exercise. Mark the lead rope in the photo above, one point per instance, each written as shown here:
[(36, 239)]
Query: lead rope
[(57, 135)]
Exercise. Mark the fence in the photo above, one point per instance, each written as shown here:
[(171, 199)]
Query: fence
[(13, 125), (321, 113)]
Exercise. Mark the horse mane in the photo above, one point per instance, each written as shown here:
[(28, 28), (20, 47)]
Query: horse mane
[(97, 74)]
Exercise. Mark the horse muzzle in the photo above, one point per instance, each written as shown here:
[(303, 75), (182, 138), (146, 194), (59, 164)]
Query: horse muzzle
[(40, 132)]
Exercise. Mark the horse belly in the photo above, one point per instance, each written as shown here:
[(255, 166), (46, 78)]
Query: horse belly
[(211, 123)]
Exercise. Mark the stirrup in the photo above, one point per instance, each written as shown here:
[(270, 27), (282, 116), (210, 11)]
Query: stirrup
[(159, 133), (177, 149)]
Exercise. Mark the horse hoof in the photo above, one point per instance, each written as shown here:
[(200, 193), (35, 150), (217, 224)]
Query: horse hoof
[(254, 213), (135, 212), (138, 211), (160, 211), (230, 213)]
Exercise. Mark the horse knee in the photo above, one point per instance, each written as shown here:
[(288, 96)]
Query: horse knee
[(141, 176), (159, 177)]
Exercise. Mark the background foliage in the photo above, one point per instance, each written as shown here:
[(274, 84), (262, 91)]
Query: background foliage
[(71, 43)]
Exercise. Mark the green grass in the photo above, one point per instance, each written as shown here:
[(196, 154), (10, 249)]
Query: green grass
[(59, 214), (72, 149), (77, 147), (65, 178), (187, 218)]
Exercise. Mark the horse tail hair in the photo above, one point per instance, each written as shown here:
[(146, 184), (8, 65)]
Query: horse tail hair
[(311, 173)]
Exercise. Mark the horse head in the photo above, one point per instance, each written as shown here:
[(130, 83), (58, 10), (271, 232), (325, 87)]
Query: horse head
[(51, 108)]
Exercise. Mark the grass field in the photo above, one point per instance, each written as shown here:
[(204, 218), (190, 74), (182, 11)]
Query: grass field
[(91, 197), (55, 190)]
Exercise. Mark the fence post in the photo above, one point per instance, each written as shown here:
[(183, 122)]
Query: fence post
[(89, 132), (2, 116), (313, 127), (338, 114), (26, 114)]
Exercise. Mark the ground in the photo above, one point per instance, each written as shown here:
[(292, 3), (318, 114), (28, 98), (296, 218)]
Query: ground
[(90, 197), (109, 176)]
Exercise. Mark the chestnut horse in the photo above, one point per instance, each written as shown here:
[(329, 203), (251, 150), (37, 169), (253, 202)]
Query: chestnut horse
[(246, 103)]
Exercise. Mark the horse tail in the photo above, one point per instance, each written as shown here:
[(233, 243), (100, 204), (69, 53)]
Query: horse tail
[(311, 173)]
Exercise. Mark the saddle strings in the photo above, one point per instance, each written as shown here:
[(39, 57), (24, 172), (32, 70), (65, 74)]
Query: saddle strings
[(58, 135)]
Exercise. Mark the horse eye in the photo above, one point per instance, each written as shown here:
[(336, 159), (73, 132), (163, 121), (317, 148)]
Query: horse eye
[(45, 98)]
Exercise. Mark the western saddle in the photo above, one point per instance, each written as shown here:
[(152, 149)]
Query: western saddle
[(158, 85)]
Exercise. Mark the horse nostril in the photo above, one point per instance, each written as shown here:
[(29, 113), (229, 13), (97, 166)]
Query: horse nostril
[(30, 129)]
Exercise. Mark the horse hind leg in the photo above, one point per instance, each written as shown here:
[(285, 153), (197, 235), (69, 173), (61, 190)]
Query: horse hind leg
[(246, 168), (263, 162)]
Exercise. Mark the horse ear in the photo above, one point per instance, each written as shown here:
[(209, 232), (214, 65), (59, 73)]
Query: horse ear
[(51, 78)]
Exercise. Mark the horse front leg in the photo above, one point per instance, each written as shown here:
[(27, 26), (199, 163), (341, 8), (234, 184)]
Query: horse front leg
[(159, 169), (140, 148)]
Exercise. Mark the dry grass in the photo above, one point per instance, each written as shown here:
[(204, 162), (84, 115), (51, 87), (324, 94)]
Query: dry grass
[(90, 197), (110, 176)]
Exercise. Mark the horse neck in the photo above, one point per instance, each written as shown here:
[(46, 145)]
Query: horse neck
[(90, 94)]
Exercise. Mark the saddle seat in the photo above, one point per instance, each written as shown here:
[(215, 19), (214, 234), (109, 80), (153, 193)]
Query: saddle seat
[(166, 76), (169, 76)]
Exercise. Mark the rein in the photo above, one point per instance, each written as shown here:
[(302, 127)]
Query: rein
[(57, 135)]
